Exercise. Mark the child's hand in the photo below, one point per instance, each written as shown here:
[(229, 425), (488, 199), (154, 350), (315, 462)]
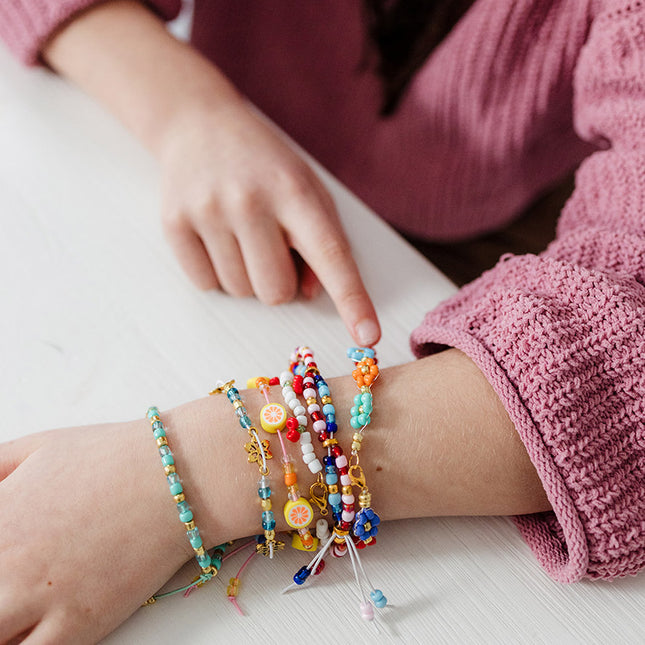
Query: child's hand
[(86, 532), (237, 199)]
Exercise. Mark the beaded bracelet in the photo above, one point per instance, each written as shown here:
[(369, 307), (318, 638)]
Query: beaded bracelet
[(207, 564), (297, 511), (258, 453), (365, 523), (365, 373)]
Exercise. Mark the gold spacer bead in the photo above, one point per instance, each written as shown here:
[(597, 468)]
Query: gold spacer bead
[(156, 417), (189, 526), (356, 446), (199, 550), (332, 488), (365, 388), (179, 498), (267, 504), (269, 535), (346, 490), (169, 469), (311, 400), (162, 441), (365, 499), (238, 404), (332, 441), (357, 437)]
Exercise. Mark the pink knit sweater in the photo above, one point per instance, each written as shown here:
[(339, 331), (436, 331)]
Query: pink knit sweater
[(516, 96)]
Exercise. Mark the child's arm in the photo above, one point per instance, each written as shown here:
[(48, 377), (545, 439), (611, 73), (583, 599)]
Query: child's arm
[(236, 198), (440, 443)]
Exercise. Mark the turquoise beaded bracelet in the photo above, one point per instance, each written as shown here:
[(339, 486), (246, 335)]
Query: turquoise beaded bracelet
[(208, 567)]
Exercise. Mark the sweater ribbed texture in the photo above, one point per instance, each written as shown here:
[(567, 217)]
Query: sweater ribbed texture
[(517, 95), (25, 25)]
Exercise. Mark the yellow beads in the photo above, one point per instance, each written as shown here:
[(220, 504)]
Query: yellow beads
[(298, 514)]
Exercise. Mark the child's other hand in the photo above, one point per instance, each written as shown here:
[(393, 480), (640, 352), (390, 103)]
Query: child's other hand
[(237, 200), (86, 532)]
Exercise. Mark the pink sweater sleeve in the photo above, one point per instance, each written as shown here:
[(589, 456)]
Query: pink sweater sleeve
[(561, 336), (25, 25)]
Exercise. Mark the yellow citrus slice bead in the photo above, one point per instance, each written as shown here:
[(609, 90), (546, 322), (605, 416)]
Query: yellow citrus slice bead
[(273, 417), (299, 513)]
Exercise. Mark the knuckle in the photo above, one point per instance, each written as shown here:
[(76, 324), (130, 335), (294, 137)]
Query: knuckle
[(277, 294)]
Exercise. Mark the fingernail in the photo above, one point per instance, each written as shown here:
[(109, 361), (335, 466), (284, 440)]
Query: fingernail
[(367, 332)]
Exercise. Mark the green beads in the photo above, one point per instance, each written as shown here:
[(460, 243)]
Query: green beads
[(177, 491)]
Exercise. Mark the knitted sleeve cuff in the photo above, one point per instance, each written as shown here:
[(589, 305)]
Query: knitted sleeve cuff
[(541, 332), (26, 25)]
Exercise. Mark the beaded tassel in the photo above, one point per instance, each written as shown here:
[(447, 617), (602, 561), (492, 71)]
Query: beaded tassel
[(258, 453)]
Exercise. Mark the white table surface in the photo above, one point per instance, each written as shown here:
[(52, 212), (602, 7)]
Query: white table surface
[(97, 322)]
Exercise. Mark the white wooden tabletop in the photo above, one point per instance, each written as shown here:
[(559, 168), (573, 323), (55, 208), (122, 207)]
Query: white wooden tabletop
[(97, 322)]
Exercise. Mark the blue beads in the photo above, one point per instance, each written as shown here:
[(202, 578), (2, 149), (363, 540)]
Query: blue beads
[(203, 560), (328, 460), (268, 521), (331, 427), (323, 389), (245, 422), (301, 575), (366, 524), (233, 394), (264, 492), (378, 598), (334, 499), (185, 514), (194, 538), (174, 484), (328, 408), (359, 353)]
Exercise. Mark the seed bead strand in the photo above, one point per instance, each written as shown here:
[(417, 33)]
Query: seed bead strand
[(258, 453), (208, 568), (336, 463), (365, 373), (297, 425), (297, 510)]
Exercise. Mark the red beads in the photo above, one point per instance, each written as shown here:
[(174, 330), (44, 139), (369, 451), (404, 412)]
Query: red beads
[(292, 434)]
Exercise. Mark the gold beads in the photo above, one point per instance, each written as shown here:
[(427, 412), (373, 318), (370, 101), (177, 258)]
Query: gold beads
[(162, 441), (179, 498), (189, 526), (169, 469), (365, 498), (267, 504), (346, 490)]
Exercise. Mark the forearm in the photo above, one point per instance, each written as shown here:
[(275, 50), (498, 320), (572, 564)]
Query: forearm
[(121, 54), (440, 443)]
